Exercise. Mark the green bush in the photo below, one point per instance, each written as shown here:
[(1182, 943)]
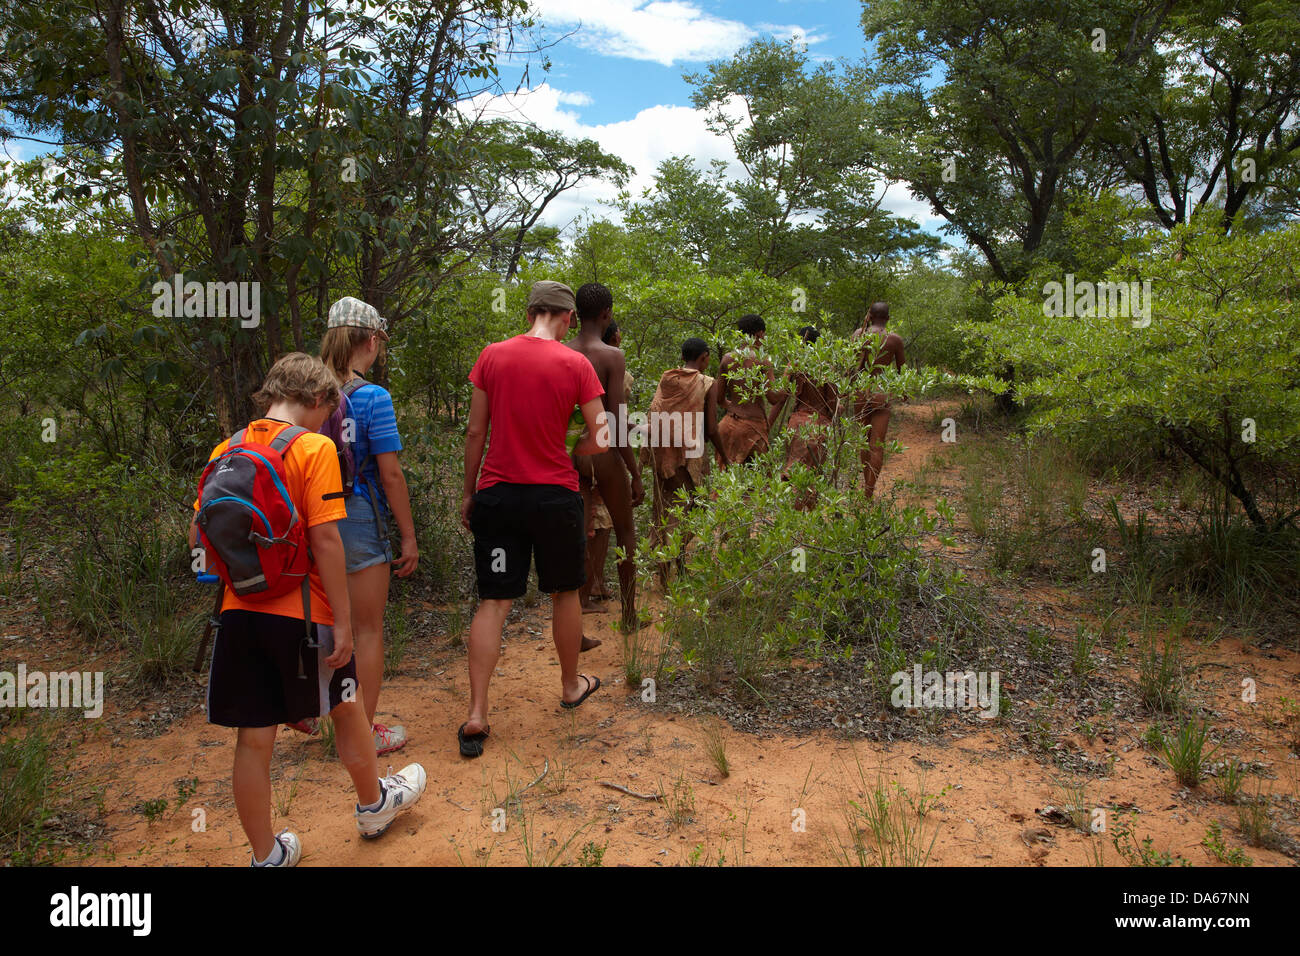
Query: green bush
[(25, 772)]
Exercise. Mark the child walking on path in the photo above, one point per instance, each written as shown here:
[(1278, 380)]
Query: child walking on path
[(287, 658), (354, 341)]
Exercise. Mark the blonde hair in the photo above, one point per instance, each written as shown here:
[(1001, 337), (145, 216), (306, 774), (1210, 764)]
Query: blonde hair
[(340, 342), (298, 377)]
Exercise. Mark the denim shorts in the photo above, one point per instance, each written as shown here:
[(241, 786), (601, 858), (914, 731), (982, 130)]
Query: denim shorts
[(363, 545)]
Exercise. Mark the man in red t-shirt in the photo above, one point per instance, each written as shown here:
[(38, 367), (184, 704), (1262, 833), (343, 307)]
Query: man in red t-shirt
[(525, 500)]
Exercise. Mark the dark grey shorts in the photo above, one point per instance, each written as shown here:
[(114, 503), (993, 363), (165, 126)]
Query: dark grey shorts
[(514, 523), (256, 660)]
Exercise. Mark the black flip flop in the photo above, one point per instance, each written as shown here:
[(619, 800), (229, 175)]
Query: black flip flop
[(591, 689), (471, 745)]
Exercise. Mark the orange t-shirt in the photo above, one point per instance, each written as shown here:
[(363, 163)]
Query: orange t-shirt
[(311, 472)]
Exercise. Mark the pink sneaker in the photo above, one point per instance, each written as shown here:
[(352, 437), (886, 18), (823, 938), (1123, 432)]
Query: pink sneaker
[(388, 739), (310, 726)]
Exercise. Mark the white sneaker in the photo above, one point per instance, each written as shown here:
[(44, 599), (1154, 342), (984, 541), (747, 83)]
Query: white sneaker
[(401, 791), (292, 847)]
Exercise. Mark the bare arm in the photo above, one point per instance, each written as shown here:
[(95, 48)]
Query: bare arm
[(775, 396), (711, 420), (399, 500), (475, 441), (327, 554), (721, 383), (618, 408), (598, 424)]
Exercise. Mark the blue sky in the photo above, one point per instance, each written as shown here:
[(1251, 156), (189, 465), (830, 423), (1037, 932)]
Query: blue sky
[(616, 77), (607, 59)]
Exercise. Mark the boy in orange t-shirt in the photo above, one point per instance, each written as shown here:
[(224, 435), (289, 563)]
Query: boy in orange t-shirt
[(263, 672)]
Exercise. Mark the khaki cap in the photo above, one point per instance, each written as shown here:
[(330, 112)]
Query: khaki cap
[(555, 296)]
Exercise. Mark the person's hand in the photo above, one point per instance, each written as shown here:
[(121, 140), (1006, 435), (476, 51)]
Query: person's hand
[(342, 646), (408, 558), (638, 491), (466, 506)]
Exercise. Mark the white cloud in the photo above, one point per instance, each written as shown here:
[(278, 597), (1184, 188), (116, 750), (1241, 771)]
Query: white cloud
[(790, 31), (651, 136), (661, 31)]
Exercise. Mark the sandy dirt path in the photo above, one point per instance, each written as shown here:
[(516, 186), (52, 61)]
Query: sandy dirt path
[(786, 800)]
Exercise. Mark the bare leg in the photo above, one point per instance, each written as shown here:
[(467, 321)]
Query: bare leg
[(875, 457), (566, 631), (252, 786), (583, 464), (368, 592), (484, 651), (597, 550), (668, 489), (611, 478), (356, 747)]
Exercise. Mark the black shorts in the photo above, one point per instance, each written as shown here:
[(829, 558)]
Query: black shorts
[(511, 523), (255, 664)]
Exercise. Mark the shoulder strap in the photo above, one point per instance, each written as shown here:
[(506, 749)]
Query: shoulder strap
[(282, 441), (237, 438), (353, 385)]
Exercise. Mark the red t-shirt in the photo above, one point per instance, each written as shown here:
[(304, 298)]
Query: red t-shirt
[(532, 386)]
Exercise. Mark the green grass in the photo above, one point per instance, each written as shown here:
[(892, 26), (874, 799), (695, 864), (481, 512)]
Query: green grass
[(1185, 752), (888, 825), (25, 783), (397, 636), (1229, 781), (1160, 674), (714, 734), (679, 801), (1255, 820), (1082, 664), (1214, 845)]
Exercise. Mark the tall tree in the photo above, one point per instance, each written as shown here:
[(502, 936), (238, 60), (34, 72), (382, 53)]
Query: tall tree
[(982, 107), (1222, 128), (808, 194), (261, 140)]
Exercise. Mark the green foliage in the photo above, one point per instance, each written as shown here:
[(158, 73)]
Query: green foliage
[(1160, 673), (591, 854), (1214, 845), (928, 305), (1025, 497), (122, 567), (1186, 753), (1255, 820), (998, 138), (26, 755), (1143, 853), (887, 824), (1229, 781), (1216, 372), (802, 138)]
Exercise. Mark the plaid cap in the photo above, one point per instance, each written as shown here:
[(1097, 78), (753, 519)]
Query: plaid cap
[(348, 311), (552, 295)]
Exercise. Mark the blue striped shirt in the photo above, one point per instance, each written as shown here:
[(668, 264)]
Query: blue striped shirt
[(376, 433)]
